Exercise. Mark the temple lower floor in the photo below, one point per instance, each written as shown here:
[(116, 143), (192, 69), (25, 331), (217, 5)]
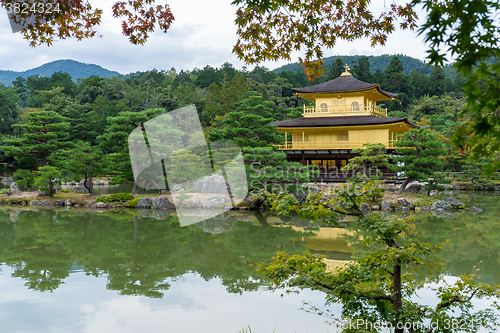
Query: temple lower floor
[(330, 163)]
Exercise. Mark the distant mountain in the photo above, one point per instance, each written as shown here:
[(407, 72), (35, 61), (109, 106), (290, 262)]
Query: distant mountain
[(376, 62), (77, 70)]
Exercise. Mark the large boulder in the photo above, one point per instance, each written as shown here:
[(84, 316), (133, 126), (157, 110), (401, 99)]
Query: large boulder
[(414, 188), (215, 201), (214, 184), (440, 205), (364, 208), (37, 203), (162, 203), (144, 203), (454, 203), (177, 188), (14, 188), (102, 205), (405, 203), (197, 186), (7, 181), (80, 189)]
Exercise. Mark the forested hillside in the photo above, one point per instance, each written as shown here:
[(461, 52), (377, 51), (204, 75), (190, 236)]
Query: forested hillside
[(376, 63), (233, 106), (75, 69)]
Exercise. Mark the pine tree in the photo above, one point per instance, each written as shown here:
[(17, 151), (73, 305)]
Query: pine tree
[(84, 160), (361, 70), (247, 125), (418, 155), (337, 69), (437, 82), (41, 133), (48, 176)]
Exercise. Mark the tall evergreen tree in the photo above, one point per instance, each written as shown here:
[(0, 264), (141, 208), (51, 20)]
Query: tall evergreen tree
[(247, 125), (437, 82), (418, 155), (395, 81), (337, 69), (8, 108), (41, 133), (361, 70), (84, 161)]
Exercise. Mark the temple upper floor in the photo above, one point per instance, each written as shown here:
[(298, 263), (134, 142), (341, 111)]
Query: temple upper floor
[(344, 96)]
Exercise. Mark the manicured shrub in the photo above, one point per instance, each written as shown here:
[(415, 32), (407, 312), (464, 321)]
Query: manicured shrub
[(116, 197), (133, 203), (116, 180)]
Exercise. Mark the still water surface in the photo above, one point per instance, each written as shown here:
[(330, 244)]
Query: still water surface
[(116, 271)]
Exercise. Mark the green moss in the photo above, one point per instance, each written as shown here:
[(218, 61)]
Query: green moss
[(133, 203)]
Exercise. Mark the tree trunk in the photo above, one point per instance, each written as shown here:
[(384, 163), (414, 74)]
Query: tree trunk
[(44, 160), (403, 186), (262, 220), (88, 184), (397, 302), (51, 188), (135, 189)]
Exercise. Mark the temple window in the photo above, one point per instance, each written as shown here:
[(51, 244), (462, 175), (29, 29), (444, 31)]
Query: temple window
[(355, 106), (343, 137)]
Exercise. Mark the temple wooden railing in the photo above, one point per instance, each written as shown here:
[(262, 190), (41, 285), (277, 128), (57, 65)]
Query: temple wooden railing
[(345, 109), (329, 145)]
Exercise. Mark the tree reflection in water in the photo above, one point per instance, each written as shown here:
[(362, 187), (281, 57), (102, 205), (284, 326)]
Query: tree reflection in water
[(139, 256)]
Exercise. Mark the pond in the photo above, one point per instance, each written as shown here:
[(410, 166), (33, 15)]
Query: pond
[(116, 271)]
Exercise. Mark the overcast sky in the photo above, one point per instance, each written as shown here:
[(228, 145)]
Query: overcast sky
[(203, 33)]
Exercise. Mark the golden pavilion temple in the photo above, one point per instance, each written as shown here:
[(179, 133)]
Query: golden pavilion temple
[(345, 116)]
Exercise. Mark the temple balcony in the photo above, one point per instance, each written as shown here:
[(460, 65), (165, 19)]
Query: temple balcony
[(344, 110), (329, 145)]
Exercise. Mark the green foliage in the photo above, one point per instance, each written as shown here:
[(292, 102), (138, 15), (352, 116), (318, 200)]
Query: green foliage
[(371, 156), (471, 30), (418, 155), (268, 169), (41, 133), (116, 180), (248, 125), (48, 177), (473, 172), (381, 285), (83, 160), (8, 109), (24, 177), (115, 197), (133, 203)]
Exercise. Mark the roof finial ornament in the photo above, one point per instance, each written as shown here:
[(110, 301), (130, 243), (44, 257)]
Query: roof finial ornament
[(346, 71)]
